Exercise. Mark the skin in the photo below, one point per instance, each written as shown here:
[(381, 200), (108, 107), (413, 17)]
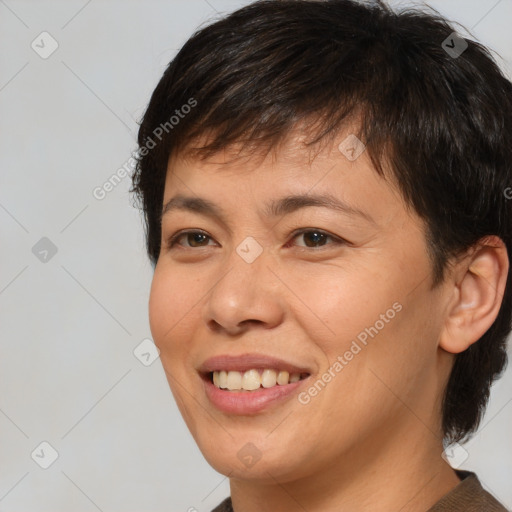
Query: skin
[(371, 438)]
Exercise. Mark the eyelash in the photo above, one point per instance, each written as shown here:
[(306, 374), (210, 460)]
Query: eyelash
[(173, 239)]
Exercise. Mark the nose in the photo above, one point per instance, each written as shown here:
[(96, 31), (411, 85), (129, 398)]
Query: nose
[(247, 294)]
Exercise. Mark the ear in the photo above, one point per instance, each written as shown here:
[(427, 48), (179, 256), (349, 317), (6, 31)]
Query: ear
[(478, 285)]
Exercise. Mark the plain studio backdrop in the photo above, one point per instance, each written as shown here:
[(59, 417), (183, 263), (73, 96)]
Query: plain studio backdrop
[(86, 422)]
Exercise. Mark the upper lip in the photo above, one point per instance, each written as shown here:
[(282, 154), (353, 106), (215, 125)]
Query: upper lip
[(246, 362)]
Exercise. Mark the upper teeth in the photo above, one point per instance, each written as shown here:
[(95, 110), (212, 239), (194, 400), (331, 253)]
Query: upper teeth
[(251, 379)]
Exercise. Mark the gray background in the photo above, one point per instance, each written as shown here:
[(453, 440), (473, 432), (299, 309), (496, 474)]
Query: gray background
[(69, 325)]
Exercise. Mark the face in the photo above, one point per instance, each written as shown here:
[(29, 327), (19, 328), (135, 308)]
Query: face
[(343, 294)]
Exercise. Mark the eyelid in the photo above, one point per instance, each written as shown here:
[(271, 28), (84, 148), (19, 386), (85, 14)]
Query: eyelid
[(171, 241), (337, 240)]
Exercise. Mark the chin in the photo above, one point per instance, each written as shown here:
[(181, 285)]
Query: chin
[(241, 458)]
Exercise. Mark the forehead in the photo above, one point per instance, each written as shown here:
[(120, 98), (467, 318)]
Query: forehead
[(297, 149), (338, 174)]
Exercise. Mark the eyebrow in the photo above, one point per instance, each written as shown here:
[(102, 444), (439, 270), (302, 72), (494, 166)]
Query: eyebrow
[(273, 208)]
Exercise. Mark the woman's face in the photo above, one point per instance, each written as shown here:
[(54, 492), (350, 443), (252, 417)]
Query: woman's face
[(349, 302)]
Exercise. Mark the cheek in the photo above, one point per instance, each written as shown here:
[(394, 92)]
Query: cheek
[(160, 300), (172, 298), (340, 301), (370, 319)]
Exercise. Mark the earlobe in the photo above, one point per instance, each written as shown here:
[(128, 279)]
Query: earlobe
[(477, 295)]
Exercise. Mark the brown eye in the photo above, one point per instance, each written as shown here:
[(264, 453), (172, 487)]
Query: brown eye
[(316, 238), (194, 238)]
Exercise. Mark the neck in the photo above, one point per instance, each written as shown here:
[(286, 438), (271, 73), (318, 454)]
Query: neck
[(394, 471)]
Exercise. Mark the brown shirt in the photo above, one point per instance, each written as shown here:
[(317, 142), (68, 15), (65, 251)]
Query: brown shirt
[(467, 496)]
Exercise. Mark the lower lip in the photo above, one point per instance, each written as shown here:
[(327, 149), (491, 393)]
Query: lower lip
[(248, 402)]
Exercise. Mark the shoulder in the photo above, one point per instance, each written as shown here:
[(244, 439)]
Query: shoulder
[(225, 506), (468, 496)]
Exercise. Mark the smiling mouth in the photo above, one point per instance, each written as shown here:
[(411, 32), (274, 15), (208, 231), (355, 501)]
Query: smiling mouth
[(253, 379)]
